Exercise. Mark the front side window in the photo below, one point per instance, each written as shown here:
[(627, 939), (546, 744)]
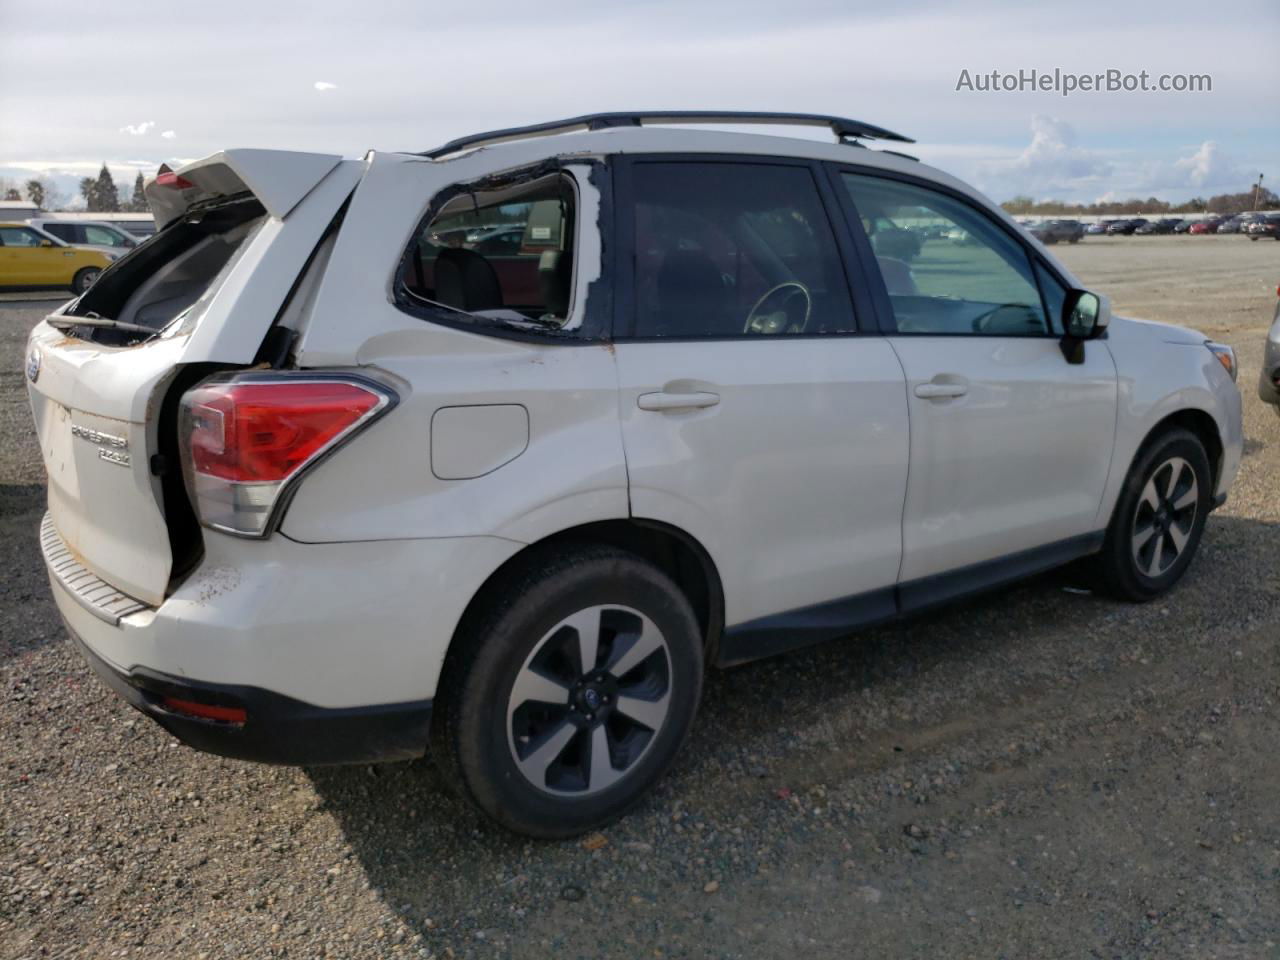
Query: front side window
[(103, 236), (734, 249), (20, 237), (947, 268), (503, 251)]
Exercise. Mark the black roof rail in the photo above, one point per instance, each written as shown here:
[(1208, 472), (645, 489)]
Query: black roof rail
[(842, 127)]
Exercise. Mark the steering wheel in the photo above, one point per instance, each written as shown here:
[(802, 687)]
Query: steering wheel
[(777, 310), (983, 322)]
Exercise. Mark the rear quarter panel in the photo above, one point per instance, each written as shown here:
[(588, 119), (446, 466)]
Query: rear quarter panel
[(382, 485)]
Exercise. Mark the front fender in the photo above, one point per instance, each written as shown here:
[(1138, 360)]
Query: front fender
[(1158, 380)]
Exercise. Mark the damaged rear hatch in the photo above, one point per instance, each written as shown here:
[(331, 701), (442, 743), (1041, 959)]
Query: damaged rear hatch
[(236, 232)]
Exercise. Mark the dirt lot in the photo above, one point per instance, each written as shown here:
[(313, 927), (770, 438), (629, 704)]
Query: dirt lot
[(1040, 773)]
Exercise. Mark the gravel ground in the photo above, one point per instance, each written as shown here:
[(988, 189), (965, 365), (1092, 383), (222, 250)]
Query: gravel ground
[(1040, 773)]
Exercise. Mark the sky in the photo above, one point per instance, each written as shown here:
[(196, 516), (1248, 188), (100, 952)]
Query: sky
[(86, 83)]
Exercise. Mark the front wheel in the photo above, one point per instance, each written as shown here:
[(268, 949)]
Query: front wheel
[(84, 279), (1159, 518), (571, 692)]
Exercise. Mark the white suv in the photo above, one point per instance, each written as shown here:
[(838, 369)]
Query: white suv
[(329, 484)]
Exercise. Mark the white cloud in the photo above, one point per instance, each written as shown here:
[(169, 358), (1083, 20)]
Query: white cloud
[(323, 85), (1053, 154), (138, 129), (168, 134), (1209, 167), (1052, 164)]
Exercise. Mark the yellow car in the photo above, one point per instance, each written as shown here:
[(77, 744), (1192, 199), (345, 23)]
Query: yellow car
[(30, 258)]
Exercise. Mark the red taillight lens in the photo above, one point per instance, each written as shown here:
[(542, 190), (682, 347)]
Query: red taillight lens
[(245, 437), (263, 432), (171, 179)]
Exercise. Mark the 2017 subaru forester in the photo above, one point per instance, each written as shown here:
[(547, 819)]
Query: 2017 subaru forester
[(334, 475)]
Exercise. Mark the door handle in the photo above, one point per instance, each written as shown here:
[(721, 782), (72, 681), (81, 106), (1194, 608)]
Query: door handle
[(940, 391), (676, 401)]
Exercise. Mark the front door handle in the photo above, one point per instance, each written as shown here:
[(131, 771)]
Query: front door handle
[(940, 391), (676, 401)]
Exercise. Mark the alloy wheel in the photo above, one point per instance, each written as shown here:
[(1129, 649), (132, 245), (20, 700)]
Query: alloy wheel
[(589, 701), (1165, 517)]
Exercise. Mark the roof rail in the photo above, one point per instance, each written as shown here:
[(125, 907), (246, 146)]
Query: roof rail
[(842, 127)]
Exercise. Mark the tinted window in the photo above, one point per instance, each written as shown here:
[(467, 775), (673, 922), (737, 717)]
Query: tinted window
[(964, 275), (63, 231), (729, 249)]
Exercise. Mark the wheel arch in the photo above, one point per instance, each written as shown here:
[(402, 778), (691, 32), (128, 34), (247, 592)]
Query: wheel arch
[(669, 548), (1199, 423)]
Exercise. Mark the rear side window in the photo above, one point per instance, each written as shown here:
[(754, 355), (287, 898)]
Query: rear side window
[(499, 251), (946, 267), (64, 231), (733, 249)]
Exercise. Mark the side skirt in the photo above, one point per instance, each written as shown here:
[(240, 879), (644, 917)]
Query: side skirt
[(794, 629)]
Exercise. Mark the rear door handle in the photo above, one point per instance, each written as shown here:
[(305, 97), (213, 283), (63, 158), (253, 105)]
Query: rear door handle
[(676, 401), (939, 391)]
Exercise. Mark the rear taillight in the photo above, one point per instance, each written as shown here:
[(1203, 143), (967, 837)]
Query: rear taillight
[(170, 179), (246, 438)]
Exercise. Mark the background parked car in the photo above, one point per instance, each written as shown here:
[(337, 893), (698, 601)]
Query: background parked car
[(1268, 226), (30, 258), (1206, 226), (890, 240), (1100, 227), (1163, 225), (1052, 231), (1184, 226), (1269, 384), (98, 235), (1125, 228)]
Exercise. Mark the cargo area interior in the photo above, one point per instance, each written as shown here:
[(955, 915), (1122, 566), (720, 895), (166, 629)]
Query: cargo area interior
[(161, 280)]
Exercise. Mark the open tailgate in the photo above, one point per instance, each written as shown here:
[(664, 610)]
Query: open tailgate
[(97, 396)]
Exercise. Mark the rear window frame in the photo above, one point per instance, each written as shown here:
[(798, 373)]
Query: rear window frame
[(594, 327)]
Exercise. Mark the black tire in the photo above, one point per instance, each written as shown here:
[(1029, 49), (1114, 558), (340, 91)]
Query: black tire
[(473, 736), (1128, 567), (84, 279)]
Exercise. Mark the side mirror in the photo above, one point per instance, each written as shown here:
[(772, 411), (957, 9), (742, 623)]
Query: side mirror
[(1084, 316)]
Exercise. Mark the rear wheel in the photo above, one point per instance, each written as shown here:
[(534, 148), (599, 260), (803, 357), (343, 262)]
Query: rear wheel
[(1159, 518), (84, 279), (571, 693)]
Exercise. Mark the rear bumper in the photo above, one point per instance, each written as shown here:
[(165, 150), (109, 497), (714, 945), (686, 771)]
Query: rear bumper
[(277, 728), (333, 650)]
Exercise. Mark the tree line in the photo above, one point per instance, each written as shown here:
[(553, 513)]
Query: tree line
[(1227, 203), (101, 195)]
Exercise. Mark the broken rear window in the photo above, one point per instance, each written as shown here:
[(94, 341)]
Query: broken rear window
[(501, 251)]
